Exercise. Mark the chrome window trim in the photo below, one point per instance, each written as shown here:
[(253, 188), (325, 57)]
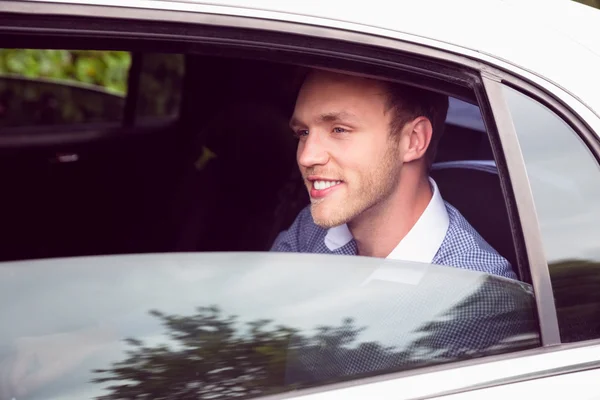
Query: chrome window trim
[(554, 371)]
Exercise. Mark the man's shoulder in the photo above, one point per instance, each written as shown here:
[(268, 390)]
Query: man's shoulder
[(464, 247), (462, 234)]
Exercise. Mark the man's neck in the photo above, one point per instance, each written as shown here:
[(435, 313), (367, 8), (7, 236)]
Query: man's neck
[(378, 231)]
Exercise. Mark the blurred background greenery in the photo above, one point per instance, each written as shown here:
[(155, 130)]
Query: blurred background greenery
[(57, 87), (106, 69)]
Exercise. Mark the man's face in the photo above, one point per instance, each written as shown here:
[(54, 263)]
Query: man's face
[(348, 160)]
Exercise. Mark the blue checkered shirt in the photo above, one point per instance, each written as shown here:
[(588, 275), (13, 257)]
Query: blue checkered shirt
[(462, 247)]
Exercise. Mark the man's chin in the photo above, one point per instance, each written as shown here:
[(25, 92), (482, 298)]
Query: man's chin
[(326, 217)]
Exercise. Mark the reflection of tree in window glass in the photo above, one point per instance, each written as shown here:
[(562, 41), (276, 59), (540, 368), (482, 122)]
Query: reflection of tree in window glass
[(52, 87), (160, 85)]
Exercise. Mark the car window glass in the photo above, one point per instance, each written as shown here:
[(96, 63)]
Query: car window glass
[(58, 87), (210, 325), (564, 177)]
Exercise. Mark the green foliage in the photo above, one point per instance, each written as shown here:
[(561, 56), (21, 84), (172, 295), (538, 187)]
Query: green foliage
[(106, 69)]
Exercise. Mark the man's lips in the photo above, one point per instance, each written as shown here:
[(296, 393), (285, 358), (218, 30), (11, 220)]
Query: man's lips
[(321, 187)]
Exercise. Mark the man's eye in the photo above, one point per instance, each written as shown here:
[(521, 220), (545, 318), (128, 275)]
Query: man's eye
[(339, 130), (300, 133)]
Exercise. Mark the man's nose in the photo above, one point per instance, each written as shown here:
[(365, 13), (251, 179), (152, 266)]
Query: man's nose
[(312, 151)]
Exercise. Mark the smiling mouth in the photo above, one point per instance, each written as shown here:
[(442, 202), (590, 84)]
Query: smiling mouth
[(323, 185)]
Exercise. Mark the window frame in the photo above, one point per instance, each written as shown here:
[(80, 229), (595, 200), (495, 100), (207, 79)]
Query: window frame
[(23, 24), (530, 226)]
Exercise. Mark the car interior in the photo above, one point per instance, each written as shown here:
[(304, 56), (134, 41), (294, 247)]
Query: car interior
[(220, 175)]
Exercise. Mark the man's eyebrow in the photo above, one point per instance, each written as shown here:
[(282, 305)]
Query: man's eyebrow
[(326, 117), (294, 123), (336, 116)]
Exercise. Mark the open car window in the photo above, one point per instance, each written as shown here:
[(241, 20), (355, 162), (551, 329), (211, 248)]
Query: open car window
[(144, 189), (242, 325)]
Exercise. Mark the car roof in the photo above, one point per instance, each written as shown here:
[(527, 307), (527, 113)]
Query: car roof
[(464, 17), (557, 40)]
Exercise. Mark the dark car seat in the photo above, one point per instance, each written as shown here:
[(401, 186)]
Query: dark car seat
[(473, 187), (240, 154)]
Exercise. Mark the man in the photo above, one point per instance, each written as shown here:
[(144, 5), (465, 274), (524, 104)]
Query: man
[(365, 149)]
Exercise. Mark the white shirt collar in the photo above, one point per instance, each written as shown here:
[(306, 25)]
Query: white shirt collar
[(420, 244)]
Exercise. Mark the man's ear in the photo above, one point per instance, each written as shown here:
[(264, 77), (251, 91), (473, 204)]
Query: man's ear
[(419, 133)]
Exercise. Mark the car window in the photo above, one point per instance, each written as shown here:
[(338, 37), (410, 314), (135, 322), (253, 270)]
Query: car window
[(242, 324), (148, 191), (464, 114), (58, 87), (564, 176)]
